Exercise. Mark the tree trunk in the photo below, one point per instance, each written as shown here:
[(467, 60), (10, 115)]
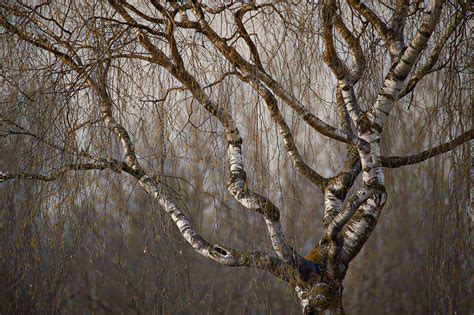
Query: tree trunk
[(322, 298)]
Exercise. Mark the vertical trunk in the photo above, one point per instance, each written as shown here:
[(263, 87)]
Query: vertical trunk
[(327, 311), (321, 298), (320, 290)]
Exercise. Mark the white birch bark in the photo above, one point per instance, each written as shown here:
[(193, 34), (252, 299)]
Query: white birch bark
[(216, 252), (238, 189), (396, 77)]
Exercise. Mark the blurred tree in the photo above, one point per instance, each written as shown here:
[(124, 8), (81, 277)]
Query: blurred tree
[(166, 95)]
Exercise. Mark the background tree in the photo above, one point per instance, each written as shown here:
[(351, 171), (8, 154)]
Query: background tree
[(177, 97)]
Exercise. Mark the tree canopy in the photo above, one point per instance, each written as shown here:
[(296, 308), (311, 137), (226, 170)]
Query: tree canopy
[(312, 115)]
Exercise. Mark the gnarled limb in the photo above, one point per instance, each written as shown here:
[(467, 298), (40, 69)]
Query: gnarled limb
[(221, 254), (330, 55), (237, 187), (368, 149)]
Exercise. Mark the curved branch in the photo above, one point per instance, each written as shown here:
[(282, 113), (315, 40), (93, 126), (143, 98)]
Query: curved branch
[(233, 56), (237, 185), (243, 32), (298, 162), (379, 25), (330, 56), (354, 45), (400, 70), (435, 54), (397, 161), (100, 88), (399, 19), (114, 165), (226, 256), (223, 255)]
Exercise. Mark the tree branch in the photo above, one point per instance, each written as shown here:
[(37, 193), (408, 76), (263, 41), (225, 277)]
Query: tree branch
[(247, 68), (330, 55), (435, 54), (354, 46), (43, 139), (243, 32), (277, 117), (400, 70), (358, 229), (237, 185), (379, 26), (99, 87), (397, 161), (223, 255), (398, 21), (114, 165)]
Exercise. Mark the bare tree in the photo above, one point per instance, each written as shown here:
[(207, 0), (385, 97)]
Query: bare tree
[(125, 75)]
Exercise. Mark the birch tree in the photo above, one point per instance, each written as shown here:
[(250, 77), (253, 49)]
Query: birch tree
[(115, 62)]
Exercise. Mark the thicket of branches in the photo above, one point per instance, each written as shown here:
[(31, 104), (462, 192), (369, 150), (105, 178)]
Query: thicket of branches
[(77, 232)]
